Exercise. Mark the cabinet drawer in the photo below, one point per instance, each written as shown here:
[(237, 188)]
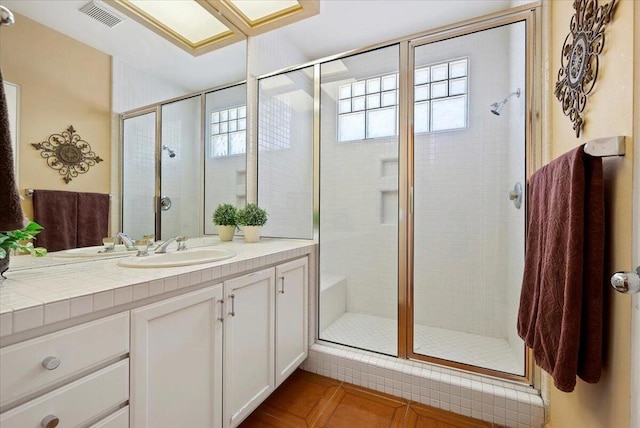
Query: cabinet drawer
[(119, 419), (78, 348), (76, 403)]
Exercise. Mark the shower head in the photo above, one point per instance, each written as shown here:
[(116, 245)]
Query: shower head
[(496, 108), (172, 154), (6, 17)]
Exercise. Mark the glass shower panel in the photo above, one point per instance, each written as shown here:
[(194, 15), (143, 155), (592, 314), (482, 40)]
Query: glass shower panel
[(468, 236), (225, 162), (139, 175), (359, 201), (285, 153), (180, 189)]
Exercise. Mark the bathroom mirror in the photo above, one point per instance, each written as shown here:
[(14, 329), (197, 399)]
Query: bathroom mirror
[(181, 156)]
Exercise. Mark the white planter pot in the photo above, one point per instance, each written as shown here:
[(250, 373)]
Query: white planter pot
[(226, 232), (252, 233)]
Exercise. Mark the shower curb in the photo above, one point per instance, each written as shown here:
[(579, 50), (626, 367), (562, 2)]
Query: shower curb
[(489, 399)]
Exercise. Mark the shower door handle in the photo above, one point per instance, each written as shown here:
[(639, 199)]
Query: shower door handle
[(626, 282)]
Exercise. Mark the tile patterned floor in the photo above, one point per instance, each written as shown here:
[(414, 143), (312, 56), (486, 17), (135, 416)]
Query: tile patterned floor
[(379, 335), (307, 400)]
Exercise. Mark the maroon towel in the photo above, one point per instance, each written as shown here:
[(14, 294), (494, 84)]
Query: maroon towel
[(561, 302), (11, 215), (57, 212), (93, 218)]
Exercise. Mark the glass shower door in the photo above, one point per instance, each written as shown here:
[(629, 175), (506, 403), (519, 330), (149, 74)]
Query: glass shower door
[(468, 236), (359, 201)]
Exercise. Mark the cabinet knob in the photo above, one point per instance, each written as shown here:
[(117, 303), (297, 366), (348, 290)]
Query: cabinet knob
[(51, 363), (50, 421)]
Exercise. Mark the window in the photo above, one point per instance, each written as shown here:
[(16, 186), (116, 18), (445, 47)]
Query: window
[(229, 131), (440, 96), (369, 108)]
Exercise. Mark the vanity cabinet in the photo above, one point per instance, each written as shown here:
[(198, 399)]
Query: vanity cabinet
[(205, 358), (176, 354), (249, 340), (292, 345)]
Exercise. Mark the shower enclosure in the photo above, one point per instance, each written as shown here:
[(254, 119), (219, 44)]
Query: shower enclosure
[(421, 208)]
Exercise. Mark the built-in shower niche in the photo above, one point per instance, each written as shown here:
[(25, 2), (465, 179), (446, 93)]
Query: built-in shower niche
[(389, 191)]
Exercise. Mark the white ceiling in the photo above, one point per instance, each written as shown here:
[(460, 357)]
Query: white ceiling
[(342, 25)]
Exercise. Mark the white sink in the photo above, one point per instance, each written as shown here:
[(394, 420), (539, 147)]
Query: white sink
[(178, 258), (97, 251)]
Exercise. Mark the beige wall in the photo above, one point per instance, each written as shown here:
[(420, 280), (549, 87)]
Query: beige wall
[(609, 112), (63, 82)]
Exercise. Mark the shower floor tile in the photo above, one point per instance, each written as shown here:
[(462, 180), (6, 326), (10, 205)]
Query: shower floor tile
[(380, 335)]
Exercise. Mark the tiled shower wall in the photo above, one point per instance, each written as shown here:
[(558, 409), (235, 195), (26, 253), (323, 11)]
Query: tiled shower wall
[(285, 153), (181, 179), (138, 175), (358, 195)]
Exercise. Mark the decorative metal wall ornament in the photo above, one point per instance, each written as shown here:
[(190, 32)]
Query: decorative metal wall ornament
[(67, 153), (579, 67)]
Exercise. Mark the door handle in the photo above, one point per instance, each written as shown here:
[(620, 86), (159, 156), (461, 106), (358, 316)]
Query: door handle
[(626, 282), (233, 305), (281, 291), (221, 318)]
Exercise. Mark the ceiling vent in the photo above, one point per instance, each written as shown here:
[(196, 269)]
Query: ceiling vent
[(101, 14)]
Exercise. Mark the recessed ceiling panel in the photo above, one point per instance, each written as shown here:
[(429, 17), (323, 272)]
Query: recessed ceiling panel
[(258, 10), (187, 18)]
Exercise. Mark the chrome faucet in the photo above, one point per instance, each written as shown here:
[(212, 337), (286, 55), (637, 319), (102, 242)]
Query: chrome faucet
[(181, 240), (128, 242)]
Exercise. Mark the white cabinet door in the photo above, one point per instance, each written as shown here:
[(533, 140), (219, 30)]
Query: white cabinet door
[(248, 343), (176, 357), (291, 317)]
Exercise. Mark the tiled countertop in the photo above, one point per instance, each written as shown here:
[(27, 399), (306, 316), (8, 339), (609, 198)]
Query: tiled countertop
[(42, 291)]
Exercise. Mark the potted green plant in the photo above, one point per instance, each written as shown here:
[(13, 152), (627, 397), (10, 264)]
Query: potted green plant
[(225, 217), (252, 218), (16, 240)]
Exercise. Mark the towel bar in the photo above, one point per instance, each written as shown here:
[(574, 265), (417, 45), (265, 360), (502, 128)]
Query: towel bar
[(605, 147), (29, 192)]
